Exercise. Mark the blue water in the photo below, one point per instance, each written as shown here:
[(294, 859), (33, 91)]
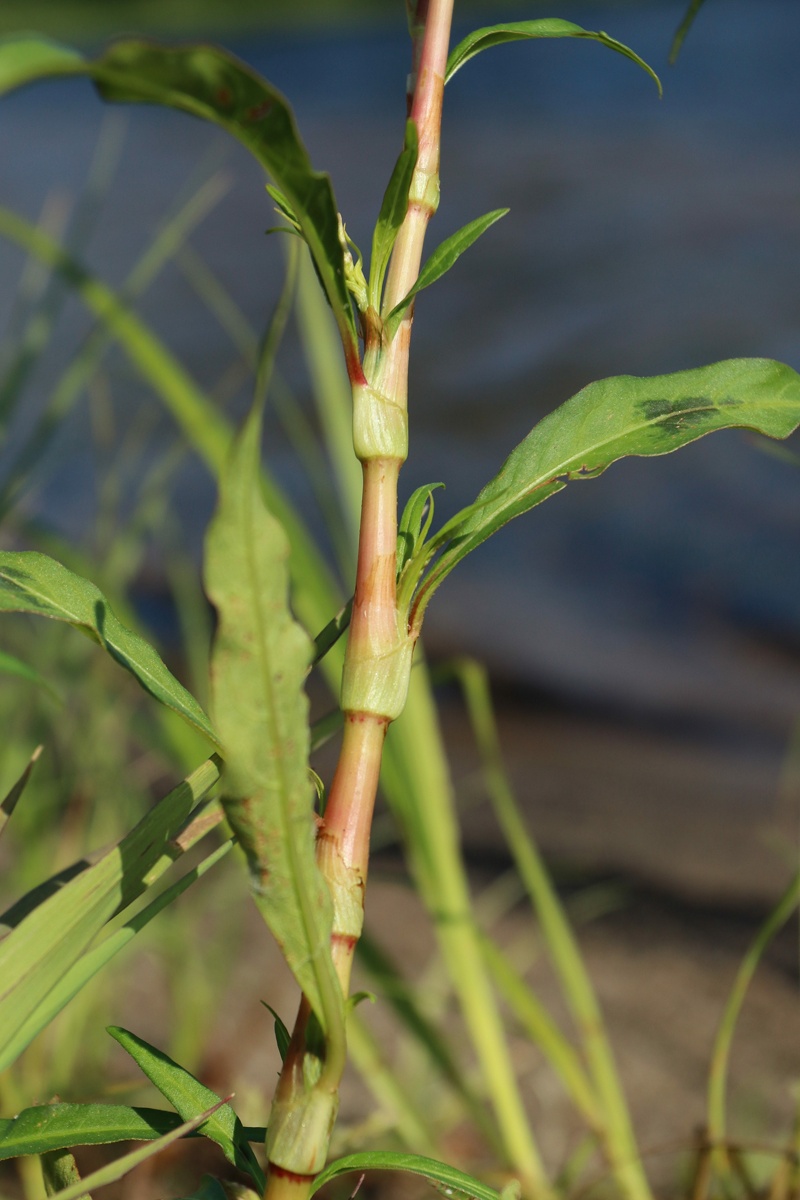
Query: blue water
[(645, 236)]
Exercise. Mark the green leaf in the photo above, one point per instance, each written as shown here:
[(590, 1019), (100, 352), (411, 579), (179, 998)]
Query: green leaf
[(414, 524), (89, 964), (11, 800), (392, 214), (24, 59), (282, 1036), (210, 1189), (683, 29), (58, 1126), (53, 927), (437, 1173), (442, 260), (259, 664), (121, 1166), (211, 84), (33, 583), (189, 1098), (608, 420), (9, 665), (546, 27)]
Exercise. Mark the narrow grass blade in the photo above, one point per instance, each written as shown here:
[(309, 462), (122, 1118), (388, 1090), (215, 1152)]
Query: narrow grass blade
[(542, 1029), (44, 943), (683, 29), (11, 800), (437, 1173), (720, 1056), (33, 583), (415, 776), (189, 1098), (83, 366), (395, 990), (213, 85), (547, 27), (207, 430), (442, 259), (402, 1109), (616, 1130), (93, 961), (10, 665), (259, 663), (613, 418)]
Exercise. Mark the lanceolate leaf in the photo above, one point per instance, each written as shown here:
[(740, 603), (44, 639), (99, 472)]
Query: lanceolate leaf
[(121, 1166), (392, 214), (58, 1126), (189, 1098), (260, 660), (48, 935), (683, 29), (217, 87), (613, 418), (546, 27), (442, 260), (33, 583), (10, 802), (453, 1182)]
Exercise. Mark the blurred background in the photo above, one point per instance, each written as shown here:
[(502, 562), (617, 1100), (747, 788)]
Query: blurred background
[(643, 630)]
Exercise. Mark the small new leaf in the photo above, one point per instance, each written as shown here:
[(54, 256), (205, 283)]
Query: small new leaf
[(441, 261), (190, 1098), (546, 27), (392, 214), (415, 523)]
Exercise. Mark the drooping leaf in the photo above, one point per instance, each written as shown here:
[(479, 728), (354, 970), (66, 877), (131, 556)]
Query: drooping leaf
[(33, 583), (215, 86), (609, 420), (683, 29), (48, 935), (57, 1126), (439, 1174), (545, 27), (392, 214), (12, 799), (442, 260), (189, 1098), (259, 663)]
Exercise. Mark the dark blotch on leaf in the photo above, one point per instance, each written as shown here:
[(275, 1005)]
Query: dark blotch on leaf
[(684, 405), (259, 111)]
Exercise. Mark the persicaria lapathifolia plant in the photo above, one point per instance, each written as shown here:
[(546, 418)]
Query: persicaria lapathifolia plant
[(309, 869)]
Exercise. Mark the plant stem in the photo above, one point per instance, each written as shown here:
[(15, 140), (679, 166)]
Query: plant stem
[(378, 657)]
